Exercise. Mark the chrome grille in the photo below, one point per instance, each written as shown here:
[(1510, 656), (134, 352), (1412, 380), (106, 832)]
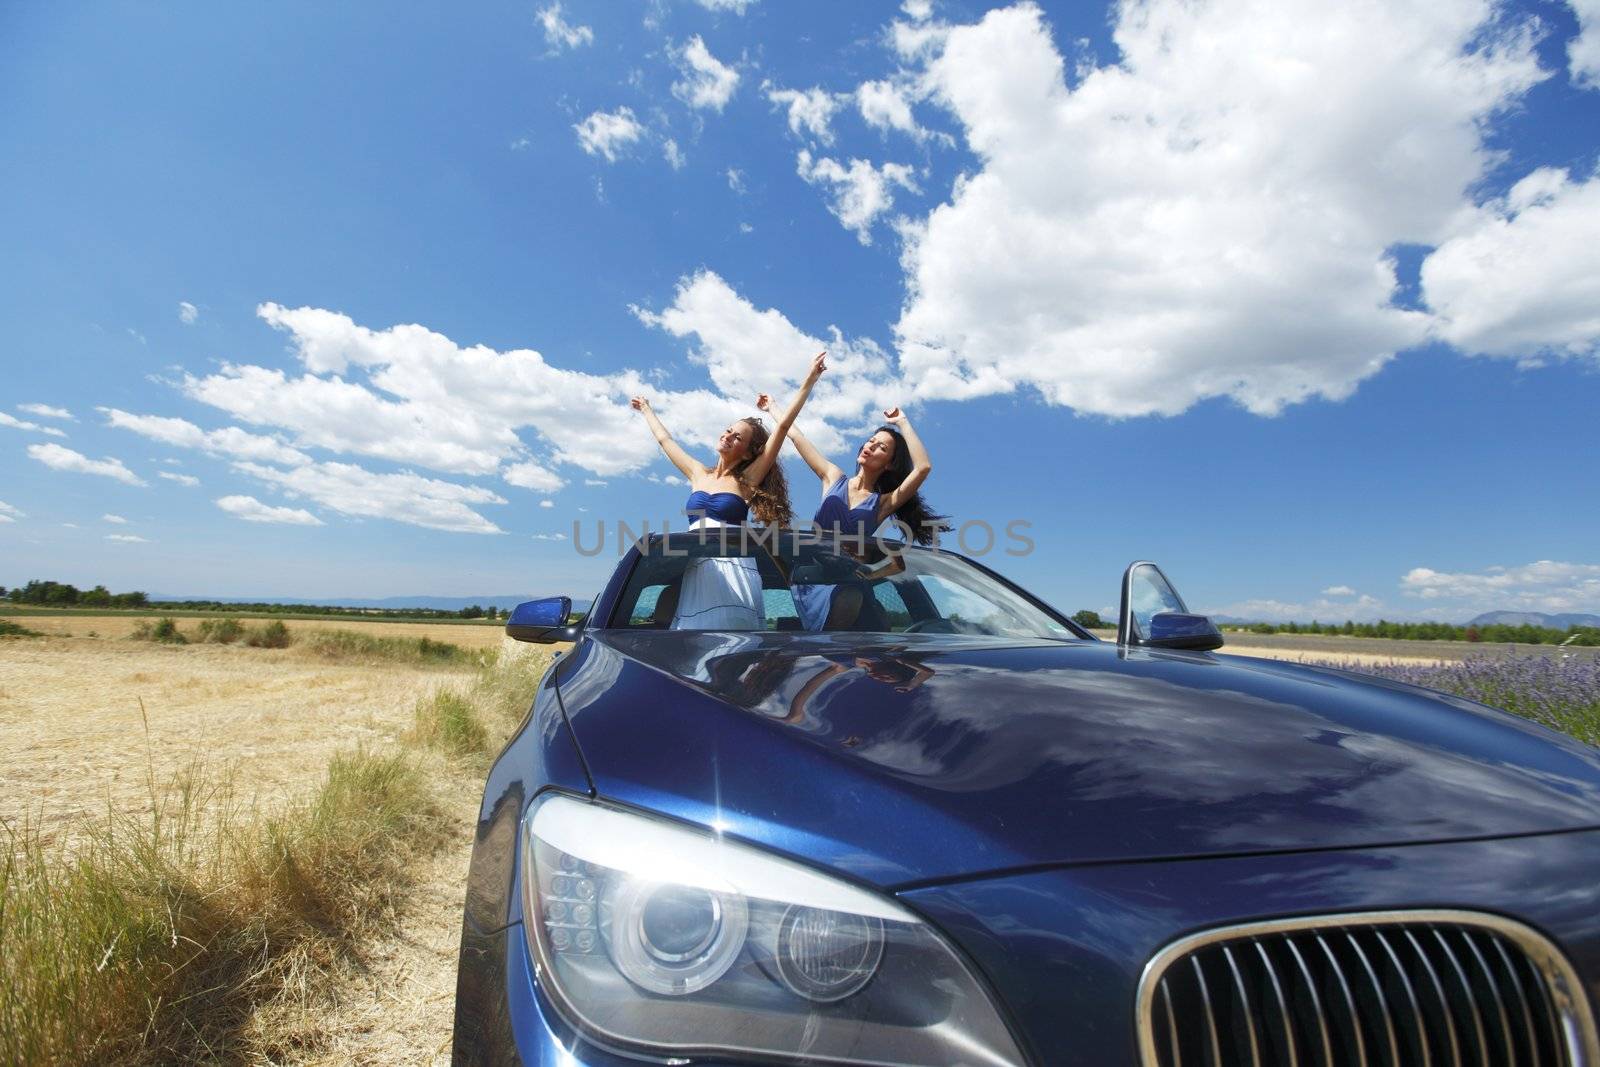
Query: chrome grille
[(1386, 989)]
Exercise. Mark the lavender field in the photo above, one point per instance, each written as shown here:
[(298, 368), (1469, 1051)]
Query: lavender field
[(1563, 694)]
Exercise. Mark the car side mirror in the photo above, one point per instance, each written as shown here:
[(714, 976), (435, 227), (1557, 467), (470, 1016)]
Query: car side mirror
[(542, 621), (1154, 616)]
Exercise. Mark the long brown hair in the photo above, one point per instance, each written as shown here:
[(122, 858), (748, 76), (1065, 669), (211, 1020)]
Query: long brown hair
[(769, 501)]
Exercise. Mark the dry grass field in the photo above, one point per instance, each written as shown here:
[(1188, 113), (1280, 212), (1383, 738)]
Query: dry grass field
[(99, 726), (73, 739)]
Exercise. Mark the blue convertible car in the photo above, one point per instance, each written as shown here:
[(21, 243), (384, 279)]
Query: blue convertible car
[(955, 829)]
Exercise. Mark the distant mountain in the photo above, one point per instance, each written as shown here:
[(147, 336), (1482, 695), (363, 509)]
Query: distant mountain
[(504, 601), (1534, 618)]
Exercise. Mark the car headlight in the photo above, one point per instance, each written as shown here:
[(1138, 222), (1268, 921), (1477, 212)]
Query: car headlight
[(656, 937)]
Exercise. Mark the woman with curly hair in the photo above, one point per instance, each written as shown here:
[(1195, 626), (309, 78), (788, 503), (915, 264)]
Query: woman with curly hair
[(725, 593)]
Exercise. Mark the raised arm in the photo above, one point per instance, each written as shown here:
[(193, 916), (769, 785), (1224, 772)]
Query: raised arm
[(763, 463), (921, 465), (819, 464), (691, 467)]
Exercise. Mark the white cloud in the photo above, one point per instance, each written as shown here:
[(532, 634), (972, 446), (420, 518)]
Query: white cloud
[(559, 34), (65, 459), (181, 479), (127, 539), (917, 9), (547, 503), (738, 7), (1583, 51), (1210, 215), (736, 180), (810, 110), (187, 313), (250, 509), (455, 409), (595, 482), (550, 537), (1520, 278), (9, 513), (861, 192), (666, 479), (115, 520), (608, 133), (403, 497), (1546, 585), (1338, 590), (530, 475), (706, 82), (45, 411), (228, 441), (673, 154), (745, 227), (22, 424), (886, 105)]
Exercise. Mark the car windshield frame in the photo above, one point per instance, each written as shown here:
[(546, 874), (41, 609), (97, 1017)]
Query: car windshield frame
[(1044, 624)]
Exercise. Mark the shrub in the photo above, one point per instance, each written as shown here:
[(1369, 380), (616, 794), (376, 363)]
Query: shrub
[(273, 634), (16, 629), (350, 646), (164, 631), (1090, 620), (220, 631)]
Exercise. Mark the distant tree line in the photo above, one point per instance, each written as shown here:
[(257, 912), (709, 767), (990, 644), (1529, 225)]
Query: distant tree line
[(62, 595), (1432, 631)]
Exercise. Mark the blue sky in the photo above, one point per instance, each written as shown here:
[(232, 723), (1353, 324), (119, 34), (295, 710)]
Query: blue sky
[(1303, 304)]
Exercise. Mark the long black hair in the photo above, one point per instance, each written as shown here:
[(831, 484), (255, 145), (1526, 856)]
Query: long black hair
[(924, 523)]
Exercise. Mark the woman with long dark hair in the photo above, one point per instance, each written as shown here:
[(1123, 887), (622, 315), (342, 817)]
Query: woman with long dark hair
[(891, 467), (724, 593)]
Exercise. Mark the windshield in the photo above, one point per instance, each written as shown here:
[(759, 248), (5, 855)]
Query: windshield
[(742, 579)]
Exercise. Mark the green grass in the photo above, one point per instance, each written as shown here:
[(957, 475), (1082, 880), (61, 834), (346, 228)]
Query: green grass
[(350, 646), (153, 937)]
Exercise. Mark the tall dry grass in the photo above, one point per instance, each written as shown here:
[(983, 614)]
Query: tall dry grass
[(155, 936), (472, 723)]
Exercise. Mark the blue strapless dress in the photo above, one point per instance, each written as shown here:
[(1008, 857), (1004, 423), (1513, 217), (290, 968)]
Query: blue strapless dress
[(719, 593), (834, 515)]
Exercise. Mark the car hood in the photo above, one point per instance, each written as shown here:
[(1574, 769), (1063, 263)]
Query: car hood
[(931, 756)]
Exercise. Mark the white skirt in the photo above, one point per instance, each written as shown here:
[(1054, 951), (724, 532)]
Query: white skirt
[(720, 593)]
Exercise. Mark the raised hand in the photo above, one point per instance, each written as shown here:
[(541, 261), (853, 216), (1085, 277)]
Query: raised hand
[(639, 403), (763, 402), (818, 365), (894, 415)]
